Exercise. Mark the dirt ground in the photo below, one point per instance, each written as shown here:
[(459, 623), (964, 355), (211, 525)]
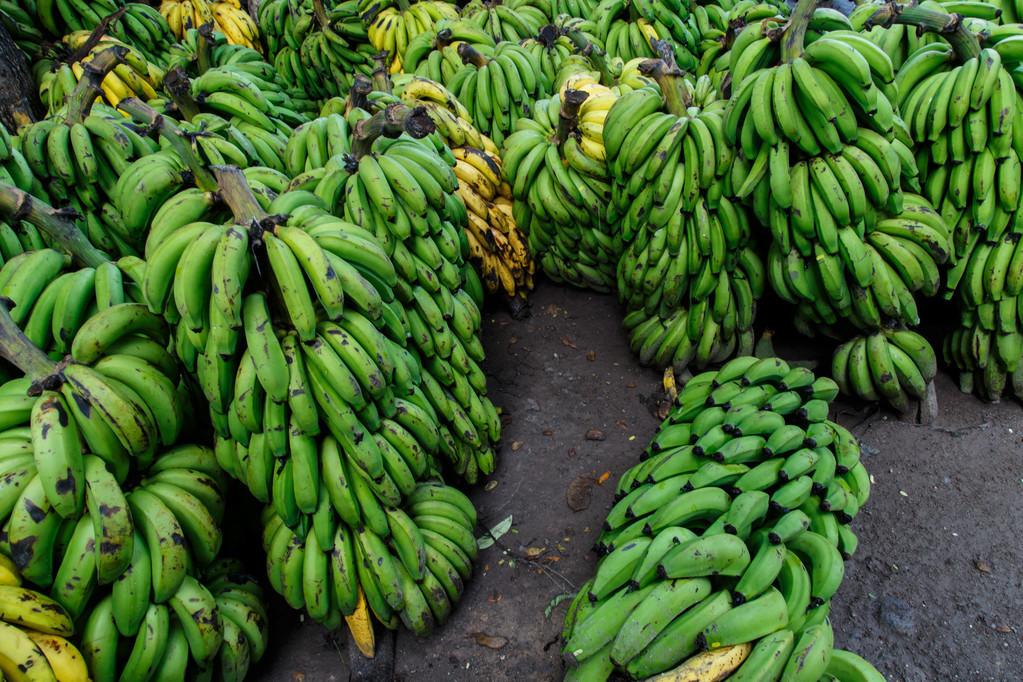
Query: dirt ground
[(934, 592)]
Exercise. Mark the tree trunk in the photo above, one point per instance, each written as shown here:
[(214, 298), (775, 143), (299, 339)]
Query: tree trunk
[(18, 98)]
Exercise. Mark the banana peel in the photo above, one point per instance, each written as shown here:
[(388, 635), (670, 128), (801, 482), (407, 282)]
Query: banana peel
[(360, 625), (709, 666)]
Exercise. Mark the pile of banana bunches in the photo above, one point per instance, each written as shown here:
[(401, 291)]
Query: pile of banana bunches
[(726, 543)]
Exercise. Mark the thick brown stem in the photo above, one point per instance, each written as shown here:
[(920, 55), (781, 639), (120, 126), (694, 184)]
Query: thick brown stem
[(88, 88), (391, 122), (179, 88), (357, 95), (236, 193), (177, 138), (19, 97), (795, 33), (18, 205), (568, 117), (471, 55), (16, 348), (948, 26)]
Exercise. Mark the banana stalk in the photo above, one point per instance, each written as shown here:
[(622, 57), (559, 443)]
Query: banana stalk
[(949, 26), (237, 195), (391, 122), (568, 117), (88, 88), (178, 86), (18, 205), (795, 31), (23, 354), (166, 129), (669, 78)]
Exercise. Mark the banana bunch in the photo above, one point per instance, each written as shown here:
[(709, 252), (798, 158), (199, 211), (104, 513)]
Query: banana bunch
[(347, 265), (135, 77), (125, 399), (16, 171), (816, 102), (212, 625), (33, 633), (18, 17), (450, 116), (864, 275), (627, 29), (730, 533), (645, 131), (434, 54), (986, 352), (231, 19), (406, 564), (495, 242), (555, 163), (498, 89), (141, 26), (404, 193), (218, 141), (964, 111), (238, 95), (984, 346), (315, 53), (688, 278), (754, 20), (247, 65), (81, 157), (685, 305), (60, 18), (549, 50), (512, 21), (326, 63), (142, 550), (144, 28), (393, 29), (58, 505), (894, 365), (182, 15), (284, 23), (54, 303), (965, 129), (712, 22)]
